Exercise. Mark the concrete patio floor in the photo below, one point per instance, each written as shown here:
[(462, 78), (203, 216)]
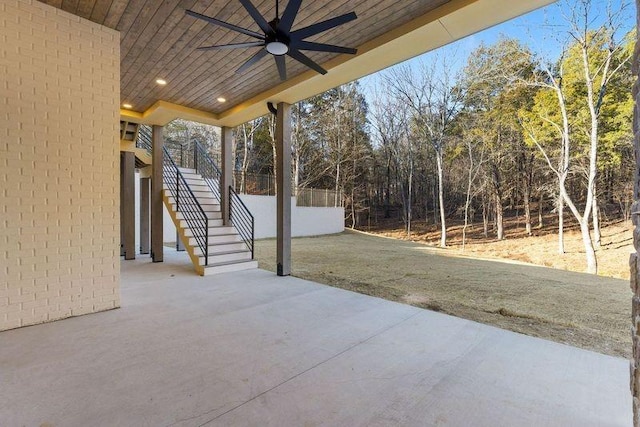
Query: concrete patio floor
[(253, 349)]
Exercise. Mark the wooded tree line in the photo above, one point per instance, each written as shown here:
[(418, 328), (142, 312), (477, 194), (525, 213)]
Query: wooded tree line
[(513, 127), (510, 131)]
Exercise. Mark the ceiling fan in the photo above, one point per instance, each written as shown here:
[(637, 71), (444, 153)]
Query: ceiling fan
[(278, 39)]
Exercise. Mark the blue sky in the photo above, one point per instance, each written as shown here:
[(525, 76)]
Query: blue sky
[(543, 30)]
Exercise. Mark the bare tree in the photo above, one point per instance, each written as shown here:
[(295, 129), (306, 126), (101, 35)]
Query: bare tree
[(389, 123), (597, 55), (245, 133), (475, 152), (434, 100)]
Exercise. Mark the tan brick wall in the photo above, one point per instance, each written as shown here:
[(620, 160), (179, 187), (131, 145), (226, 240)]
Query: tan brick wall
[(59, 165)]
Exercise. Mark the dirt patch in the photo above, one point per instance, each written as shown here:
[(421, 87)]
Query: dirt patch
[(582, 310)]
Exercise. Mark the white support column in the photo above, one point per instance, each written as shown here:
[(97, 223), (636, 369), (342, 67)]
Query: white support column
[(157, 210), (226, 179), (283, 188)]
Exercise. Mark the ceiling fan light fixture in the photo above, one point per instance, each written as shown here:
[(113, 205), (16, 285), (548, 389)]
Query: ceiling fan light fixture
[(277, 48), (277, 38)]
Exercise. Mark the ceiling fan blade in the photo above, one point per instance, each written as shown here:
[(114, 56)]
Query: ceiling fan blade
[(223, 24), (232, 46), (255, 58), (282, 68), (289, 15), (262, 23), (304, 59), (323, 26), (321, 47)]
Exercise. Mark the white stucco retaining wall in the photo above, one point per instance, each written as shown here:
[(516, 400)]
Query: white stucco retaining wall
[(304, 221)]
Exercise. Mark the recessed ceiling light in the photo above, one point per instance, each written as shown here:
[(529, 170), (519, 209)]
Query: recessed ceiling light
[(127, 106), (161, 82), (221, 99)]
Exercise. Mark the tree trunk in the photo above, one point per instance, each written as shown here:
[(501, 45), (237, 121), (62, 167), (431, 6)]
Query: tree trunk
[(590, 253), (560, 208), (245, 160), (499, 217), (528, 182), (497, 197), (596, 223), (353, 209), (409, 211), (592, 263), (275, 162), (527, 211), (467, 203), (540, 204), (272, 134), (337, 186), (435, 204), (485, 217), (594, 111), (387, 195), (443, 226)]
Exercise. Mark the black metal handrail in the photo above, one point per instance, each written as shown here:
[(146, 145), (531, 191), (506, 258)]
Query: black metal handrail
[(144, 137), (186, 203), (204, 164), (176, 150), (241, 219)]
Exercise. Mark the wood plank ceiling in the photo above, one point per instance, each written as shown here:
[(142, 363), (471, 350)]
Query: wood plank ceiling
[(158, 41)]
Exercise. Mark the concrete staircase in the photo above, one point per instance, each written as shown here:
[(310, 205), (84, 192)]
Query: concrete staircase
[(226, 250)]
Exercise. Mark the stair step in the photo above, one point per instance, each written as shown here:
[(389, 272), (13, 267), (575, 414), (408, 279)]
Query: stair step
[(193, 181), (189, 179), (213, 224), (186, 170), (211, 214), (204, 194), (192, 175), (237, 255), (216, 231), (199, 186), (228, 267), (216, 239), (222, 247), (210, 203)]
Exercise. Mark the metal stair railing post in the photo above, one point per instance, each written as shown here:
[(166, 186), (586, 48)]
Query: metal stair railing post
[(206, 246), (242, 219), (207, 168), (195, 157), (143, 139)]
